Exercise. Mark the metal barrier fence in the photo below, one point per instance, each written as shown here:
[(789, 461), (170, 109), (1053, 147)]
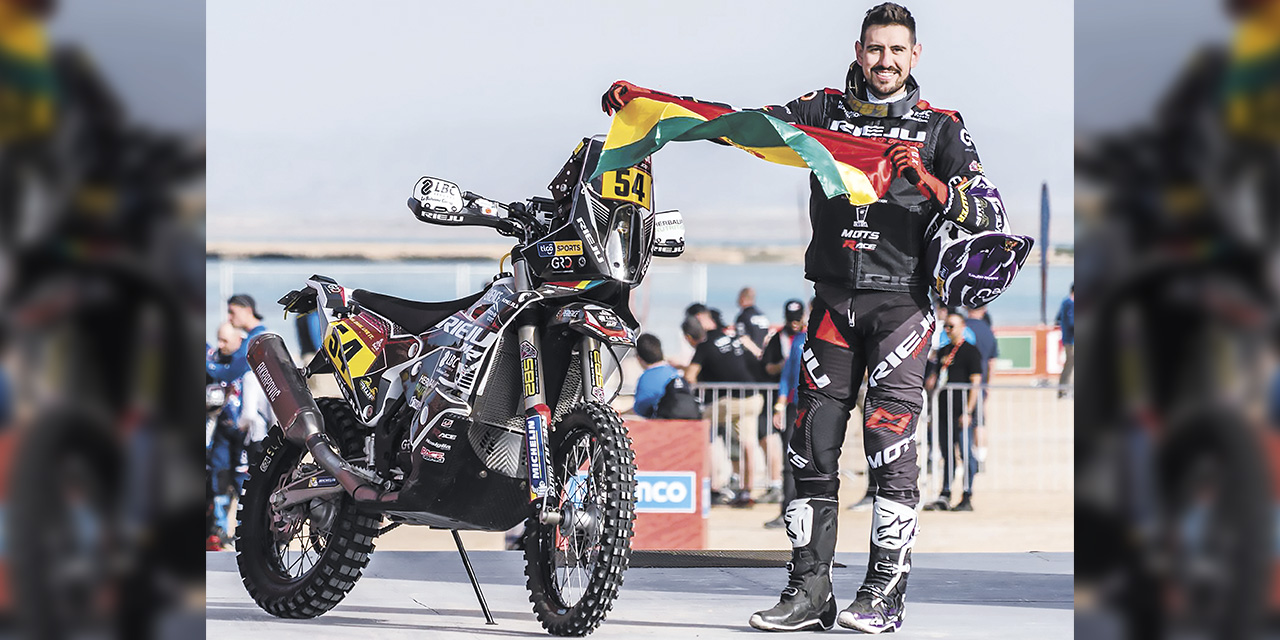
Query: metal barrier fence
[(739, 413), (1025, 440), (1025, 436)]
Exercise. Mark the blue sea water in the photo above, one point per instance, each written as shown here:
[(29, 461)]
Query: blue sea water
[(659, 303)]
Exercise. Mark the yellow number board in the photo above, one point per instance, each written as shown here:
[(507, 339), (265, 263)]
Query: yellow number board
[(350, 355), (632, 185)]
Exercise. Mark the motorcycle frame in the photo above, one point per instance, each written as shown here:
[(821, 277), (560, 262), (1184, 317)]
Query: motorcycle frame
[(521, 322)]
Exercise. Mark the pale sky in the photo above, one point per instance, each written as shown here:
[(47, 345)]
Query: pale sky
[(322, 114), (150, 51)]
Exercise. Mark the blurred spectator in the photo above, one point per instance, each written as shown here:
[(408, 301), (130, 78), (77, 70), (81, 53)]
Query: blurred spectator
[(957, 363), (752, 326), (782, 357), (661, 392), (101, 222), (702, 314), (984, 338), (256, 418), (242, 313), (310, 327), (722, 358), (940, 337), (227, 442), (1066, 320), (776, 349)]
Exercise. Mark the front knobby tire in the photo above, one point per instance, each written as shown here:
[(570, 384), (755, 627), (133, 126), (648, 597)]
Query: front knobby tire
[(574, 569), (327, 541)]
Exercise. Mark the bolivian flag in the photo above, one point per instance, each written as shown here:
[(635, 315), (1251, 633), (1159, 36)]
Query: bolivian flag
[(843, 164), (26, 76), (1252, 80)]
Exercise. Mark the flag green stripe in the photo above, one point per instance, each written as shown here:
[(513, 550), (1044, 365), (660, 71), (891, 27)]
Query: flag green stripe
[(752, 129)]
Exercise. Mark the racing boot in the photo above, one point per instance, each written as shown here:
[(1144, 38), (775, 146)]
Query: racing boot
[(807, 603), (881, 601)]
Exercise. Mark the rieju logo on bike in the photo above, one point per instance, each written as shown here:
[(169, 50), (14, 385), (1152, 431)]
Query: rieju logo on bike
[(463, 330), (589, 237)]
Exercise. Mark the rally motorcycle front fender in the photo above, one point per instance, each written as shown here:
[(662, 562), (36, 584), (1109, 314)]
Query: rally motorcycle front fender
[(597, 322)]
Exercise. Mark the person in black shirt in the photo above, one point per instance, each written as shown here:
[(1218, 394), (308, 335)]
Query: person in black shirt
[(772, 359), (778, 345), (722, 358), (772, 362), (956, 363), (751, 324), (985, 340)]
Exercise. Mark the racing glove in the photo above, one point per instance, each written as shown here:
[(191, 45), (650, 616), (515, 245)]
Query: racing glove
[(957, 204), (907, 163), (617, 97)]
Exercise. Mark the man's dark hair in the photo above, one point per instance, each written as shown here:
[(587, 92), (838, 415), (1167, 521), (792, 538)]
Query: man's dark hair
[(718, 319), (692, 327), (649, 348), (887, 14)]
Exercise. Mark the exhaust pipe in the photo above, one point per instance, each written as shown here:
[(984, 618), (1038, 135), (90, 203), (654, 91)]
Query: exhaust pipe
[(300, 418)]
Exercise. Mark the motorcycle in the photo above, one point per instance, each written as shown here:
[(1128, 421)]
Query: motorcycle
[(473, 414)]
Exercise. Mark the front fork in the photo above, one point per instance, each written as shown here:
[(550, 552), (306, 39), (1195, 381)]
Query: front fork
[(537, 415), (537, 420)]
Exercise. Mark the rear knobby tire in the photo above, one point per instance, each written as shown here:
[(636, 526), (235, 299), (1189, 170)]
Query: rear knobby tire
[(573, 579), (340, 551)]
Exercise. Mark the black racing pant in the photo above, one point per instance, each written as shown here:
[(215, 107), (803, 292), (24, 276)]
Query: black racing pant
[(883, 336)]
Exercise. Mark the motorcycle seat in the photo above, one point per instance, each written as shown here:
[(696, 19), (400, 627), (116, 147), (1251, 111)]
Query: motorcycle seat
[(416, 317)]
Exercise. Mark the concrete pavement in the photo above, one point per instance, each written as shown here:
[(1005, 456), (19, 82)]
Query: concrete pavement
[(416, 594)]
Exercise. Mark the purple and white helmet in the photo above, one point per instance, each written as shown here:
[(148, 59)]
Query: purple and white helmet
[(972, 270)]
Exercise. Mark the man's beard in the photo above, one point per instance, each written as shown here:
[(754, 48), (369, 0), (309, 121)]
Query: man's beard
[(871, 87)]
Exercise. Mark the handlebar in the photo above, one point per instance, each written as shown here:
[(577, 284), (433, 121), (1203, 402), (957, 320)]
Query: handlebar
[(519, 223)]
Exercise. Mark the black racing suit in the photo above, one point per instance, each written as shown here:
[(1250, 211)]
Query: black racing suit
[(872, 311)]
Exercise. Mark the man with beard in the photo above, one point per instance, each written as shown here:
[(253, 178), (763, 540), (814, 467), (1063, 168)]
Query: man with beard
[(872, 317)]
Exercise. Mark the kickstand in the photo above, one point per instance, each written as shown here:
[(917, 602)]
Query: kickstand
[(475, 584)]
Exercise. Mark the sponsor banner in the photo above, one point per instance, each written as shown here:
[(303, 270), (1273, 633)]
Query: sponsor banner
[(658, 491)]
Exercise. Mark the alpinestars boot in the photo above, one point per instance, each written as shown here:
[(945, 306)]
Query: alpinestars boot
[(881, 601), (807, 602)]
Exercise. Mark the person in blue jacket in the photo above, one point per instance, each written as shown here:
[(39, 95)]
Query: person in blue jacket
[(1067, 321), (788, 384), (243, 314), (657, 373)]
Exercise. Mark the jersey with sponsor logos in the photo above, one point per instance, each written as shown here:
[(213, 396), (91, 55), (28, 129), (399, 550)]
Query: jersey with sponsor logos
[(881, 246)]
